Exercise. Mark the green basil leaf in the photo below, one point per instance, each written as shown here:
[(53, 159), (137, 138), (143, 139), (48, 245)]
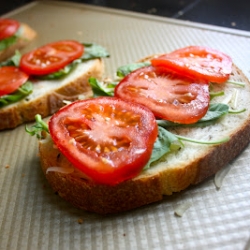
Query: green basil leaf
[(60, 73), (165, 143), (23, 91), (5, 43), (93, 51), (215, 111), (126, 69), (102, 88)]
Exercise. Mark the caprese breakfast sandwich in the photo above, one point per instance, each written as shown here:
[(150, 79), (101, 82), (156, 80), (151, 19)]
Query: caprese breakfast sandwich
[(14, 35), (40, 81), (165, 123)]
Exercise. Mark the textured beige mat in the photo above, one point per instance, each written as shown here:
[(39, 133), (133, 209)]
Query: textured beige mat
[(33, 217)]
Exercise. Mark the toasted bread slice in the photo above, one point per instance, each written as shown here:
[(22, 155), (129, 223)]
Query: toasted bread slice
[(27, 34), (172, 173), (49, 95)]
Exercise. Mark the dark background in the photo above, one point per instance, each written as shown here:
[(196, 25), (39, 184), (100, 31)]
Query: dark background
[(226, 13)]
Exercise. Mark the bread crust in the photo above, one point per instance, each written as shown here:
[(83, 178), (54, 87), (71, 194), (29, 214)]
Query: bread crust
[(164, 178), (142, 190), (48, 103), (86, 194), (27, 35)]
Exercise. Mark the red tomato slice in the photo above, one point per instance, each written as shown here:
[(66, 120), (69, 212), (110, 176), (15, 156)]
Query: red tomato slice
[(197, 62), (169, 96), (51, 57), (11, 79), (8, 27), (108, 139), (69, 48)]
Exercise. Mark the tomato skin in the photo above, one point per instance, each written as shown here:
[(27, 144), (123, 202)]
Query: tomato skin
[(197, 62), (169, 96), (8, 27), (51, 57), (70, 48), (11, 79), (108, 139)]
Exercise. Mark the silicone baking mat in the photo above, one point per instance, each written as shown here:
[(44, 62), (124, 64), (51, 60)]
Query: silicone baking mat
[(33, 217)]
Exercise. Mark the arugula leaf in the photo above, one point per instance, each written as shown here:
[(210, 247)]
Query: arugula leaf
[(165, 143), (215, 111), (223, 140), (231, 111), (102, 88), (60, 73), (93, 51), (38, 128), (126, 69), (107, 88), (16, 96)]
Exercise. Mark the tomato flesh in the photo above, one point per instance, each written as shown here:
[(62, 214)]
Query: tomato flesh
[(69, 48), (108, 139), (197, 62), (51, 57), (169, 96), (11, 79), (8, 27)]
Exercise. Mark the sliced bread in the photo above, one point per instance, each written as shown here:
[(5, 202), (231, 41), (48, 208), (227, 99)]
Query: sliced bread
[(25, 36), (49, 95), (172, 173)]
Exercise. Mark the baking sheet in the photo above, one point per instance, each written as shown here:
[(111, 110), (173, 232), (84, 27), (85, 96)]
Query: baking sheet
[(33, 217)]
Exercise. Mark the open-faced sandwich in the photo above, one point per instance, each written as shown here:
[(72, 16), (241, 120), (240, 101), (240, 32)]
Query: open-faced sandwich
[(14, 35), (39, 81), (166, 122)]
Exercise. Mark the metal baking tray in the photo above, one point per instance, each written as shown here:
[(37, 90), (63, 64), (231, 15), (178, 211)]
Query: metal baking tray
[(33, 217)]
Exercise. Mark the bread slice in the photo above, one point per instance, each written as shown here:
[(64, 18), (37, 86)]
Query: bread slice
[(172, 173), (27, 34), (49, 95)]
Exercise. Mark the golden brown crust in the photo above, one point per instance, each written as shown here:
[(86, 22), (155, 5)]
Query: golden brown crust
[(24, 111), (87, 195), (28, 34), (152, 184), (142, 190)]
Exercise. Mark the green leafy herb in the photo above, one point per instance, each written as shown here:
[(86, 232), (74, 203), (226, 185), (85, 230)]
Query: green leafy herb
[(165, 143), (231, 111), (102, 88), (5, 43), (126, 69), (215, 94), (12, 61), (91, 51), (183, 138), (60, 73), (215, 111), (106, 88), (38, 128), (23, 91), (240, 84)]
